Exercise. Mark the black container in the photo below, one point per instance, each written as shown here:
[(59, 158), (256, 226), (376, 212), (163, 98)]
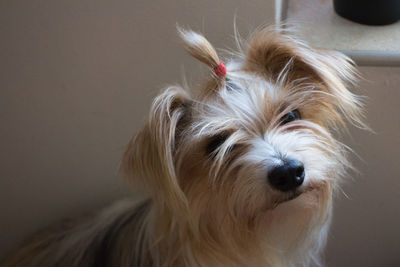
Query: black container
[(370, 12)]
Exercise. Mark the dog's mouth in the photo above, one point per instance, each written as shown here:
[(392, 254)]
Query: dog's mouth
[(292, 195), (286, 198)]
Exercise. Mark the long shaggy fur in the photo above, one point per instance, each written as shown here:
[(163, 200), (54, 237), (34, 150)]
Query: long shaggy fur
[(203, 161)]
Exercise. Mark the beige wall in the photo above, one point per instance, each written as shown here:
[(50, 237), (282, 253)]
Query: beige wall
[(77, 77)]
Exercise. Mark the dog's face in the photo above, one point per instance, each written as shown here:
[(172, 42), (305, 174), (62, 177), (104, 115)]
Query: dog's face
[(252, 140), (254, 144)]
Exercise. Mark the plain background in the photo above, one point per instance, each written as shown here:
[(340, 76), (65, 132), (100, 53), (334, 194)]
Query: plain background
[(77, 79)]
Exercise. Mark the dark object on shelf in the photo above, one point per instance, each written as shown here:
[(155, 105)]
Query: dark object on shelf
[(370, 12)]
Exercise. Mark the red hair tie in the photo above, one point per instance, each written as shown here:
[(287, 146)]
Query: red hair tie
[(220, 70)]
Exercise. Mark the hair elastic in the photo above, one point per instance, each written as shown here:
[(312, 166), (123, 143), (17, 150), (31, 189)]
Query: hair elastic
[(220, 70)]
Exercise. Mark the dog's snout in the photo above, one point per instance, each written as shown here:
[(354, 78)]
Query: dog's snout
[(287, 176)]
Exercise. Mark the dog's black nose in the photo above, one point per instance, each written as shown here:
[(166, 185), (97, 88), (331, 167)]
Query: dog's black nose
[(287, 176)]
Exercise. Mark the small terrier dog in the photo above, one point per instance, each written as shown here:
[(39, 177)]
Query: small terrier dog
[(239, 173)]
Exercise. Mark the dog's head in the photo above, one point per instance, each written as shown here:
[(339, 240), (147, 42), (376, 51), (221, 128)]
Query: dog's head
[(251, 140)]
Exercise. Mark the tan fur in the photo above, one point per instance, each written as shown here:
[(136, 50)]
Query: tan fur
[(199, 47), (216, 208)]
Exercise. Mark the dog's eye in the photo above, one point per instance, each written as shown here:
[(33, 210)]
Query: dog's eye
[(215, 142), (291, 116)]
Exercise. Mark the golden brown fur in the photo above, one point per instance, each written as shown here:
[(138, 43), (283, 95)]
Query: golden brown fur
[(213, 206)]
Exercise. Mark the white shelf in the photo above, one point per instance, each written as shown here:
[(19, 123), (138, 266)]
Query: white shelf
[(316, 22)]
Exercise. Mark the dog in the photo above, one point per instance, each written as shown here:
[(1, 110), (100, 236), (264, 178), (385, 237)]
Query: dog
[(240, 172)]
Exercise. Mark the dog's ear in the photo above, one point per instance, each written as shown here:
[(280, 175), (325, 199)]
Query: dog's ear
[(149, 157), (282, 57)]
